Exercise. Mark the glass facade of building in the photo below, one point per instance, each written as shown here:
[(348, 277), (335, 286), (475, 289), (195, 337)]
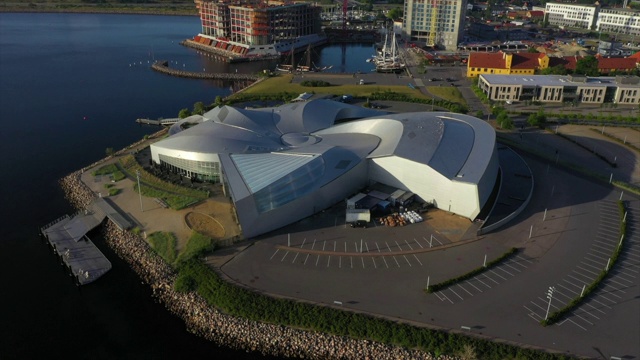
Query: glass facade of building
[(201, 170)]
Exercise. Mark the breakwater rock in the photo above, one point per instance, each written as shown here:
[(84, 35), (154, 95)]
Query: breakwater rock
[(163, 67), (210, 323)]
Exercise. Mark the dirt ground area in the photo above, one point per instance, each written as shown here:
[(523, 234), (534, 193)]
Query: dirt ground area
[(448, 224)]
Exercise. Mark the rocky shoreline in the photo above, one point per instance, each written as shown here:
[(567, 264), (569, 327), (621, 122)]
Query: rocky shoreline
[(211, 324)]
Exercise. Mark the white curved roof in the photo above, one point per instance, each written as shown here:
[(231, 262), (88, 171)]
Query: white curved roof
[(286, 152)]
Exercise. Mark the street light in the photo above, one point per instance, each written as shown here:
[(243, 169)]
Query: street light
[(139, 190), (549, 296)]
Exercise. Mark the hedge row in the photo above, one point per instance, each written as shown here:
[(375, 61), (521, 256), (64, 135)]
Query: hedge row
[(393, 96), (558, 315), (617, 139), (445, 284), (592, 150), (238, 301)]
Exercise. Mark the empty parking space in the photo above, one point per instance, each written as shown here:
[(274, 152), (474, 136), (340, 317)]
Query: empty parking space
[(612, 291), (483, 282)]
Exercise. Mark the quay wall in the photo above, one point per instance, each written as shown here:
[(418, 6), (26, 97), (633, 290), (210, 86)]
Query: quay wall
[(163, 67), (206, 321), (224, 55)]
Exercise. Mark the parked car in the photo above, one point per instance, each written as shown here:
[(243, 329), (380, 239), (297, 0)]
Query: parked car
[(359, 224)]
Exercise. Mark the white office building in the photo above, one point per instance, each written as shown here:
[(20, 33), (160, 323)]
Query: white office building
[(621, 21), (576, 16)]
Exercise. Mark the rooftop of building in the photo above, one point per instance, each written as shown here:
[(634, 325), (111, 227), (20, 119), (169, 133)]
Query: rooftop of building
[(563, 80)]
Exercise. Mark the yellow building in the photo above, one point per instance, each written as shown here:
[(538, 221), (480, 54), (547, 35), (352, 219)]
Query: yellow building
[(502, 63)]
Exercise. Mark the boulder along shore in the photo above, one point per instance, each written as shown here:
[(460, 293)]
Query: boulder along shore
[(210, 323)]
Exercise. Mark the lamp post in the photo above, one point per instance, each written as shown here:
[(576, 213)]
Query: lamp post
[(139, 190), (549, 296)]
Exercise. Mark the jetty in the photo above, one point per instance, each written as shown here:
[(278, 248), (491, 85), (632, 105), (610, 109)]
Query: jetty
[(160, 122), (67, 236)]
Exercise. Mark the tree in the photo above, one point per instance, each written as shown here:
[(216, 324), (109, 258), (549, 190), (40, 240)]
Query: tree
[(538, 119), (479, 114), (218, 101), (588, 65), (395, 13), (198, 108), (554, 70), (184, 113), (504, 121)]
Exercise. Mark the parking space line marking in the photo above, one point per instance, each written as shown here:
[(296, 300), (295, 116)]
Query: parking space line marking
[(295, 257), (461, 298), (509, 265), (614, 281), (482, 282), (285, 255), (274, 254), (576, 324), (503, 270), (572, 284), (475, 287), (334, 246), (592, 299), (436, 239), (394, 258), (340, 261), (361, 258), (367, 245), (388, 246), (356, 245), (498, 275), (317, 260), (599, 263), (345, 246), (581, 282), (468, 292), (351, 260), (414, 255), (589, 265), (314, 244), (422, 247), (406, 259), (374, 262), (587, 270), (303, 241), (601, 252), (385, 262), (488, 278), (328, 260), (606, 248), (324, 243), (305, 260), (524, 259), (408, 245), (377, 246), (399, 248)]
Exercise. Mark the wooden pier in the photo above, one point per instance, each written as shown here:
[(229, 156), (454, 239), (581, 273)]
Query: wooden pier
[(67, 236)]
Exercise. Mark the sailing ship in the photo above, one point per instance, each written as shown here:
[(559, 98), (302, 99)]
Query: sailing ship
[(388, 60)]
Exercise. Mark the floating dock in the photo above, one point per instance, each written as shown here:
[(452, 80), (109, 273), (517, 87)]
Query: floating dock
[(67, 236), (163, 122)]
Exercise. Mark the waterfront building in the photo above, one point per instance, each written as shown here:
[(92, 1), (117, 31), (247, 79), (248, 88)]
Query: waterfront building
[(523, 63), (279, 165), (619, 21), (435, 22), (562, 88), (570, 15), (258, 28)]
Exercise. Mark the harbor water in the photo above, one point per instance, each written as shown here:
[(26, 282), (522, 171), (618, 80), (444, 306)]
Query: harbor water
[(71, 86)]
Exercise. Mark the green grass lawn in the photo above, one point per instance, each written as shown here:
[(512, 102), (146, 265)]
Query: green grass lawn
[(450, 93), (282, 83)]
